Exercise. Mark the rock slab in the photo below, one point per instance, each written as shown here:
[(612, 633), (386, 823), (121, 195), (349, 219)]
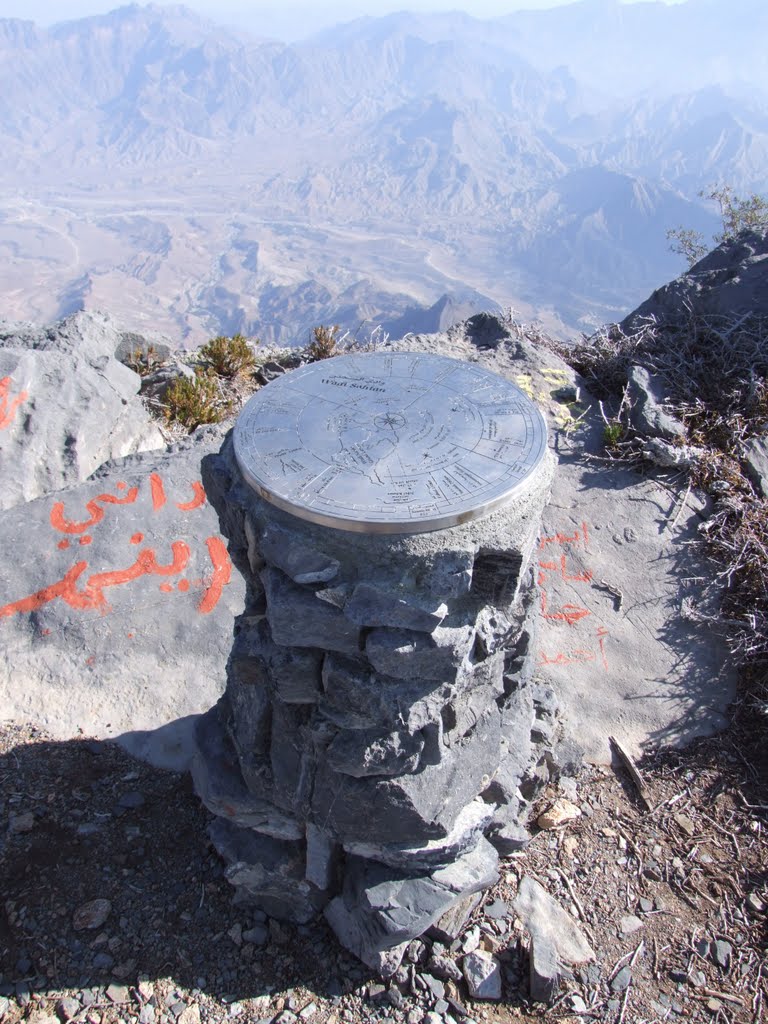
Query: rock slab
[(556, 942)]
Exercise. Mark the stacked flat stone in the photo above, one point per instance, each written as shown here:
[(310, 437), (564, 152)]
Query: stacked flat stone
[(380, 733)]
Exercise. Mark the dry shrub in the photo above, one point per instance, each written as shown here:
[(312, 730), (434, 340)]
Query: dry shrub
[(144, 361), (194, 402), (228, 357)]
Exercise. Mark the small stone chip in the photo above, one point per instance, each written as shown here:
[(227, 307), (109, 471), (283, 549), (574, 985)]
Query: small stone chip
[(91, 915), (630, 924), (67, 1007), (483, 975), (22, 822), (560, 813), (497, 910), (118, 993), (621, 980), (722, 951), (685, 823)]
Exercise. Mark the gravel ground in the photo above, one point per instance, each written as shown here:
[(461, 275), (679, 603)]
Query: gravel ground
[(114, 907)]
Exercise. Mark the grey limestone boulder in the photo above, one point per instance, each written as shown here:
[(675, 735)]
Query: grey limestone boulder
[(556, 942), (482, 972), (67, 406), (116, 609)]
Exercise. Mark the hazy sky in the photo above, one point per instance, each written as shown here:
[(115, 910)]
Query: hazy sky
[(291, 19)]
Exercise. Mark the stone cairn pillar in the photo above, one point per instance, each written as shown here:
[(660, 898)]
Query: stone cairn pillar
[(380, 736)]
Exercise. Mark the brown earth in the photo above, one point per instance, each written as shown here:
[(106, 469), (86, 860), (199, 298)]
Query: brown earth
[(81, 821)]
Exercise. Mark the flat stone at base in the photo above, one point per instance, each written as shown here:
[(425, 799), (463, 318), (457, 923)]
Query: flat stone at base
[(555, 938), (219, 784), (482, 974), (269, 872), (436, 852), (453, 922), (380, 908), (545, 971), (510, 839)]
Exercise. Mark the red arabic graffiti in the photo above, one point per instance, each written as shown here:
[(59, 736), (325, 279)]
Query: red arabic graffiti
[(554, 570), (83, 592), (92, 594), (8, 405), (93, 507)]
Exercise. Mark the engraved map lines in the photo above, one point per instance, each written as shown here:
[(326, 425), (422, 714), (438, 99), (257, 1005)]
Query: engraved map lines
[(383, 437)]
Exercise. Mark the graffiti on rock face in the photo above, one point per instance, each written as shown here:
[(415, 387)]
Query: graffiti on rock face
[(9, 403), (556, 577), (82, 589)]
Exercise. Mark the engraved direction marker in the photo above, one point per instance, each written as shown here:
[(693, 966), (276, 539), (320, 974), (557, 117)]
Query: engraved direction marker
[(395, 442)]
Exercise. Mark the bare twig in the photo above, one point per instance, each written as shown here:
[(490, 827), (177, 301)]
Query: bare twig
[(634, 774)]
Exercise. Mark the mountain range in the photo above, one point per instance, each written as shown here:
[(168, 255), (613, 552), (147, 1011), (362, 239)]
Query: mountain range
[(403, 170)]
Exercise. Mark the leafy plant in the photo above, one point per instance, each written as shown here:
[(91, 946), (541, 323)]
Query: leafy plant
[(736, 215), (613, 432), (228, 357), (192, 402)]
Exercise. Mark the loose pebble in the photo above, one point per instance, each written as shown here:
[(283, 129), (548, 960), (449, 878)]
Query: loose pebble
[(630, 924), (92, 915), (622, 980)]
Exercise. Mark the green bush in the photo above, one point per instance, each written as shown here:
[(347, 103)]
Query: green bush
[(194, 402), (228, 357), (613, 434)]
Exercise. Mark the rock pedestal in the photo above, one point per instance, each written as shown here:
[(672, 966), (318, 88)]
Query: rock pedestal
[(380, 734)]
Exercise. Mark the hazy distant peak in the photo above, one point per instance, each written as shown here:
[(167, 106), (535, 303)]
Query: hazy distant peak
[(430, 27)]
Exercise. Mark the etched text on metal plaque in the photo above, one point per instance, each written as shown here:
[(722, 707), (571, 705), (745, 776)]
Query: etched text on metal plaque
[(393, 442)]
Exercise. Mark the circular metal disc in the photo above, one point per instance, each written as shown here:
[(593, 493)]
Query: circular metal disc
[(389, 442)]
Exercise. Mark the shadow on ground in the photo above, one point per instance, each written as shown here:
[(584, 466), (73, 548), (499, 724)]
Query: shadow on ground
[(82, 821)]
